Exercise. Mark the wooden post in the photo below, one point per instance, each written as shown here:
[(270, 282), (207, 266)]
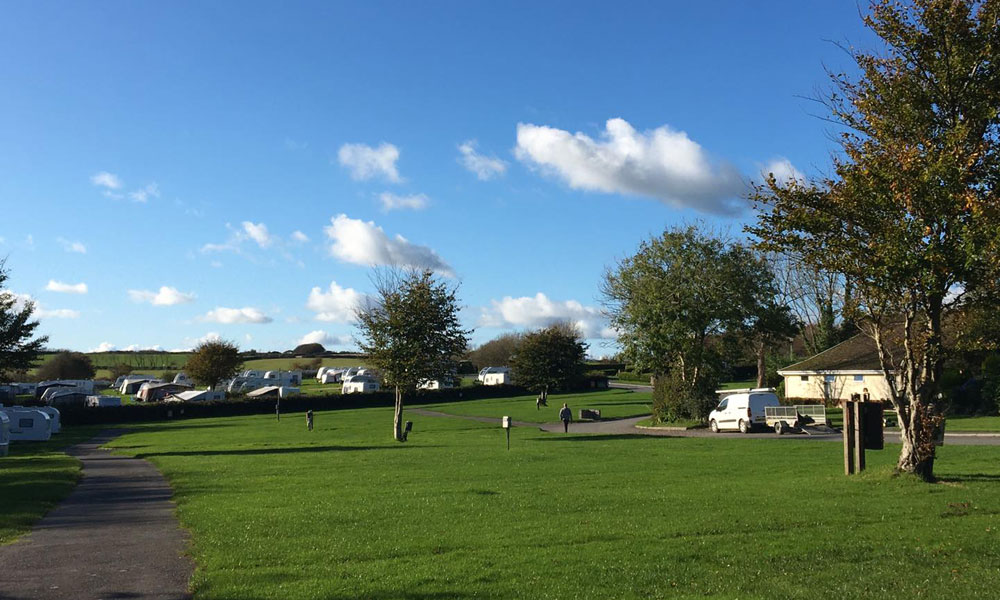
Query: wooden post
[(848, 438), (859, 435)]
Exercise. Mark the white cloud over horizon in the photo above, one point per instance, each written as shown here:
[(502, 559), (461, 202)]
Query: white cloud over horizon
[(66, 288), (662, 163), (485, 167), (326, 339), (165, 296), (364, 243), (229, 316), (365, 162), (337, 304), (392, 201), (538, 311)]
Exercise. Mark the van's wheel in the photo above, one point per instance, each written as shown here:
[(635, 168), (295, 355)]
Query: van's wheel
[(744, 426), (712, 425), (779, 427)]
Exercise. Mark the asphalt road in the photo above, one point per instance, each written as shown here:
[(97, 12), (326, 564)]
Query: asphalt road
[(115, 536)]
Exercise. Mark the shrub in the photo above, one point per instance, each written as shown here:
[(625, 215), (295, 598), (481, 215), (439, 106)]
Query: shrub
[(67, 365), (675, 399)]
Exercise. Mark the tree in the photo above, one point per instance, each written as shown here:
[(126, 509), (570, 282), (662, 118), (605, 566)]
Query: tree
[(910, 216), (18, 351), (680, 293), (496, 352), (119, 369), (816, 299), (67, 365), (214, 361), (411, 332), (312, 349), (549, 359)]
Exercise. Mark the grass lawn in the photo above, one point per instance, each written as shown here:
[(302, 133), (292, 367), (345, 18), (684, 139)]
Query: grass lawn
[(738, 385), (35, 477), (685, 423), (960, 424), (613, 404), (345, 512)]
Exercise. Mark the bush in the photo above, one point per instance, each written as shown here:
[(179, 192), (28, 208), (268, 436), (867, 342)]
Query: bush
[(67, 365), (309, 365), (675, 399), (309, 350)]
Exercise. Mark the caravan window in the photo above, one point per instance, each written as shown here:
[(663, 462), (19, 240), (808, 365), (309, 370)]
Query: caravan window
[(26, 423)]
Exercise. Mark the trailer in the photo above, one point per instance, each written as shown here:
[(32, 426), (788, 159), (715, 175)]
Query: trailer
[(800, 418)]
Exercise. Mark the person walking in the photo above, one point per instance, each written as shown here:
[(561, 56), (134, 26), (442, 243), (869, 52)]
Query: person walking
[(565, 415), (309, 419)]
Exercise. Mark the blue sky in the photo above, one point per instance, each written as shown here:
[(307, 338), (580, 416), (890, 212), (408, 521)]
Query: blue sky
[(177, 170)]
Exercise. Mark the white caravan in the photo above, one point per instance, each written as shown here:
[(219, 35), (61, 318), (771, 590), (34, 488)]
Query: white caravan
[(183, 379), (435, 384), (197, 396), (28, 424), (56, 423), (742, 412), (4, 434), (360, 384), (332, 376), (497, 378)]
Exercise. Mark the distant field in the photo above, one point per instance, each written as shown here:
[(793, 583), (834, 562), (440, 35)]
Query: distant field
[(284, 364), (156, 363)]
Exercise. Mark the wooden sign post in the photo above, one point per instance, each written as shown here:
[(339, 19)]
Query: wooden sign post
[(849, 438), (859, 435)]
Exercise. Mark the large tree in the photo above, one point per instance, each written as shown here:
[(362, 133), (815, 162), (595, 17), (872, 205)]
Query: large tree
[(411, 332), (549, 359), (673, 300), (496, 352), (910, 216), (214, 361), (18, 351), (67, 365)]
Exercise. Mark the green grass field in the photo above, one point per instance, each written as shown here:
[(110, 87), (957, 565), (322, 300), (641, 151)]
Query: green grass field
[(613, 404), (345, 512), (35, 477)]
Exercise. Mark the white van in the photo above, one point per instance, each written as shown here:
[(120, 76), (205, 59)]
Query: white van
[(741, 412)]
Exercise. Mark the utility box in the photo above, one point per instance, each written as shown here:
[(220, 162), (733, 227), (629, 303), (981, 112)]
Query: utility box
[(873, 429), (506, 422)]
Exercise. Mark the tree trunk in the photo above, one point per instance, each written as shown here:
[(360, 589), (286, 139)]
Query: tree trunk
[(761, 367), (397, 420)]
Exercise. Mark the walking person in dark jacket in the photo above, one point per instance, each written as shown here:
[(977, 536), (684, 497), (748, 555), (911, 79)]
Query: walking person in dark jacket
[(565, 415)]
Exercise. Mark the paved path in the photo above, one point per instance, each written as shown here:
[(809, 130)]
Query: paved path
[(115, 536), (628, 427)]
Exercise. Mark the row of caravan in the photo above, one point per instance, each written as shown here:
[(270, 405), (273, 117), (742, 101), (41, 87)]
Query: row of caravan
[(20, 423)]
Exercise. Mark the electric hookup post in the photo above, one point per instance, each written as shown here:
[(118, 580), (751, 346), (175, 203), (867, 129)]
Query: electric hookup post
[(506, 426), (863, 430)]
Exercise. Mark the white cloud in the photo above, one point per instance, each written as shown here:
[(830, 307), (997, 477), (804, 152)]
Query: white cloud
[(70, 246), (784, 171), (103, 347), (106, 180), (321, 337), (66, 288), (140, 347), (258, 233), (166, 296), (225, 315), (539, 311), (191, 343), (40, 312), (391, 201), (366, 162), (364, 243), (662, 164), (151, 190), (298, 236), (485, 167), (337, 304)]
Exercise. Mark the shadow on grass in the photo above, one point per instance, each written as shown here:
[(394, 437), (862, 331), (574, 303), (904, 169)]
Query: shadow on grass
[(582, 437), (971, 477), (268, 451)]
